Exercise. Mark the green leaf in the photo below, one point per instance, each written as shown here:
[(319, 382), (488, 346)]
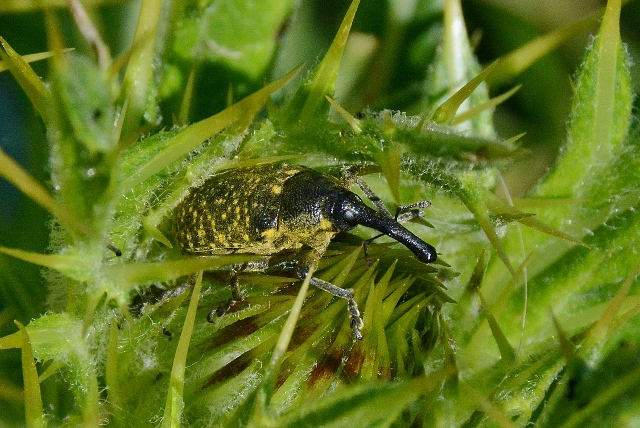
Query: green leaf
[(447, 110), (137, 83), (368, 404), (435, 351), (309, 102), (184, 141), (20, 178), (601, 112), (455, 67), (26, 77), (225, 48), (33, 400), (174, 404), (87, 103), (608, 393)]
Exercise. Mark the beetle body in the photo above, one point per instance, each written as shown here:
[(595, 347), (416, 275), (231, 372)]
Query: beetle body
[(235, 211), (266, 209)]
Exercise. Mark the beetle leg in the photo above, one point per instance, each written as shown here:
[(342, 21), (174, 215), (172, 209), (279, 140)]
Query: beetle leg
[(345, 293), (403, 212), (407, 212), (356, 322), (117, 251), (365, 247), (375, 199), (236, 296)]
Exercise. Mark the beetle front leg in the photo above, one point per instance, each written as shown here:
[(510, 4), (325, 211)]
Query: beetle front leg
[(375, 199), (408, 212), (403, 212)]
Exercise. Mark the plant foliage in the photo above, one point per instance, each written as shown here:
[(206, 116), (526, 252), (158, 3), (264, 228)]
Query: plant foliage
[(527, 318)]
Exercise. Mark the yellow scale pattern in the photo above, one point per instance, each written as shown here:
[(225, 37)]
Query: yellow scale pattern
[(234, 211)]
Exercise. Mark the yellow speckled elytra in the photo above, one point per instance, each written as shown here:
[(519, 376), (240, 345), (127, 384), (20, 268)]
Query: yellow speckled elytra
[(266, 209)]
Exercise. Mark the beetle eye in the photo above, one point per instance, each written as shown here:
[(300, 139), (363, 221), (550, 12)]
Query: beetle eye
[(350, 214), (345, 211)]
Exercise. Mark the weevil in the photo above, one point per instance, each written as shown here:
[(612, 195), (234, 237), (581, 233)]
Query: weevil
[(269, 208)]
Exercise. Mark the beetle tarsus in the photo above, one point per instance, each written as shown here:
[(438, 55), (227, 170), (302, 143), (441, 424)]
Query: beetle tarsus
[(411, 211), (356, 321), (365, 247), (236, 296), (117, 251)]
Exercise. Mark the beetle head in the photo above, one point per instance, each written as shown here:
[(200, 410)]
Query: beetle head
[(348, 211)]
